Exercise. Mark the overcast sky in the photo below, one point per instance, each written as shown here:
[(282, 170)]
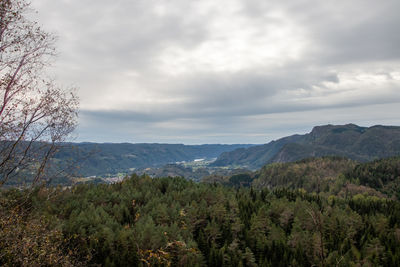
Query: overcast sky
[(227, 71)]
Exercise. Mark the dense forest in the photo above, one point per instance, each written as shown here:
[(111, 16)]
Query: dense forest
[(175, 222), (325, 176)]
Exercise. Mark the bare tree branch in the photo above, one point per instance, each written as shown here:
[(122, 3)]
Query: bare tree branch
[(35, 114)]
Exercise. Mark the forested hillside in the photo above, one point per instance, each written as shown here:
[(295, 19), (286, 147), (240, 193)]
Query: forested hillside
[(351, 141), (382, 175), (100, 159), (325, 176), (175, 222), (313, 174)]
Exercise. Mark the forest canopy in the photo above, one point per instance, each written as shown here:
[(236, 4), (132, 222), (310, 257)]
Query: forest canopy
[(174, 222)]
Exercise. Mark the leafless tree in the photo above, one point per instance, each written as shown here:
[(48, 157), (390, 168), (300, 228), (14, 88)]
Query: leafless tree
[(35, 114)]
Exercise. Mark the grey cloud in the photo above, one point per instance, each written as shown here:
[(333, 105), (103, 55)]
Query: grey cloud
[(247, 129), (364, 31), (225, 100), (118, 35), (229, 112), (249, 92), (341, 32), (101, 40)]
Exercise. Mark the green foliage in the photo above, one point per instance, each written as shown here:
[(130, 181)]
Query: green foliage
[(382, 175), (175, 222), (313, 174), (334, 176)]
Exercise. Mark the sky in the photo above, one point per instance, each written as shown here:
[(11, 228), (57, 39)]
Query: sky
[(237, 71)]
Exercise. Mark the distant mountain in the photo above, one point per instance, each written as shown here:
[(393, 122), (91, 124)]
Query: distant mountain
[(351, 141), (90, 159), (255, 156)]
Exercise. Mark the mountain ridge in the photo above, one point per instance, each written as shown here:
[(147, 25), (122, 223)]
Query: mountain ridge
[(349, 140)]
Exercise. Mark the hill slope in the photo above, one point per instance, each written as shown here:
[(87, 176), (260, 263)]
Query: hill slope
[(352, 141), (175, 222), (312, 174), (99, 159), (324, 175)]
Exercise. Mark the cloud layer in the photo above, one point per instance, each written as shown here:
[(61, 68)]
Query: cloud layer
[(238, 71)]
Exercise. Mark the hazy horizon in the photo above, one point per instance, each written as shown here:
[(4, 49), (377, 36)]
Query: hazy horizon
[(232, 72), (180, 143)]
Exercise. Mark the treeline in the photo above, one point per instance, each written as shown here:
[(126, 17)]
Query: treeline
[(325, 175), (382, 175), (313, 174), (175, 222)]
